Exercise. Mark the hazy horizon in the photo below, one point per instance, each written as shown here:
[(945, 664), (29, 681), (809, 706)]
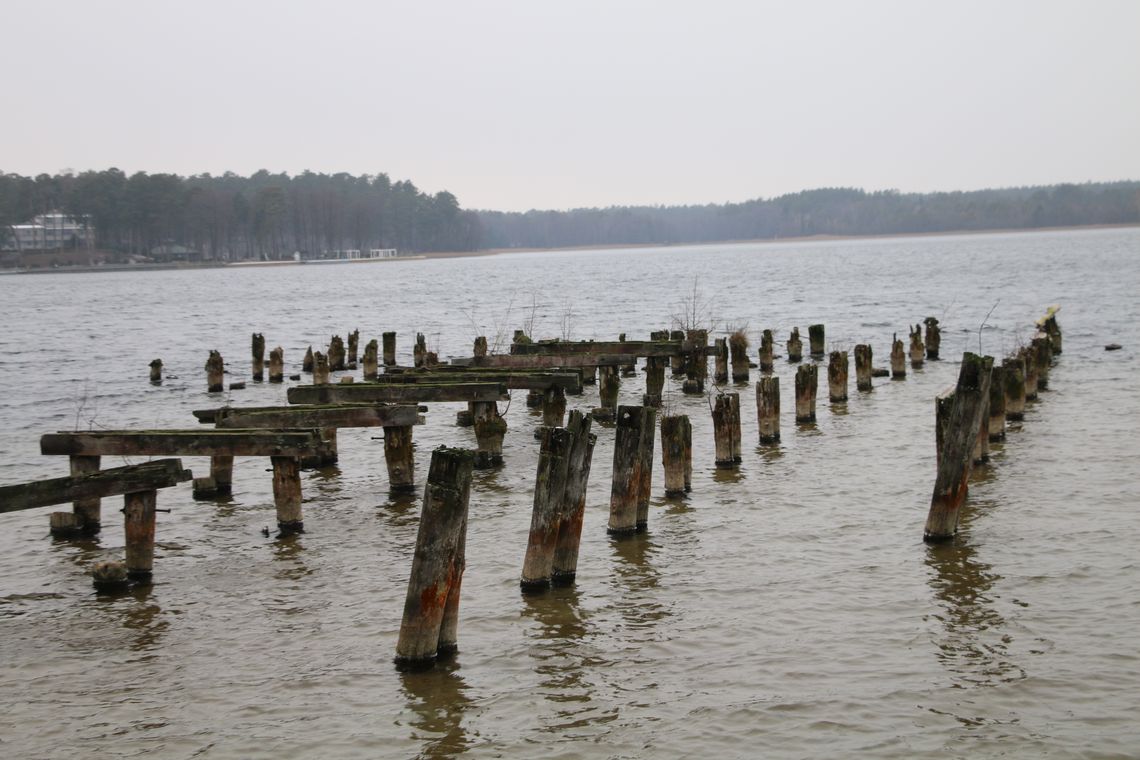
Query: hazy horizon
[(514, 106)]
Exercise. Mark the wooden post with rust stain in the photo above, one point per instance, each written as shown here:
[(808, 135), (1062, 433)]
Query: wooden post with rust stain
[(553, 406), (156, 372), (917, 348), (489, 431), (320, 369), (863, 367), (768, 408), (959, 434), (138, 525), (399, 455), (645, 467), (898, 358), (933, 338), (720, 361), (1013, 375), (287, 494), (807, 386), (795, 347), (419, 351), (215, 373), (549, 488), (431, 608), (257, 349), (996, 426), (726, 427), (277, 365), (371, 360), (389, 345), (353, 348), (738, 350), (677, 453), (837, 370), (654, 380), (565, 566), (307, 361), (335, 354), (816, 341), (631, 476), (767, 363)]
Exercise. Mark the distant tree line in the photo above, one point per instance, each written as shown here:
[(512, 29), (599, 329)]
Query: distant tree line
[(272, 216), (830, 211), (263, 216)]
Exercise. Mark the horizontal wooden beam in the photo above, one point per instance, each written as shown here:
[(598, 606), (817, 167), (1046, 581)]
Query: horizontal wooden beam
[(348, 416), (634, 348), (237, 443), (211, 416), (408, 394), (149, 476), (571, 382), (541, 361)]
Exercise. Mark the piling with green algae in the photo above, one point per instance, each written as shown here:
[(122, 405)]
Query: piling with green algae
[(863, 367), (726, 428)]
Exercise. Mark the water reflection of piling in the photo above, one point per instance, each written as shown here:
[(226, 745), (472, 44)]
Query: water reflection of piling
[(438, 698)]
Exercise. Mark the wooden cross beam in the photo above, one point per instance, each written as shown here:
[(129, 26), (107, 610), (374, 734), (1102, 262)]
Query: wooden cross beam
[(241, 443), (161, 473), (408, 394)]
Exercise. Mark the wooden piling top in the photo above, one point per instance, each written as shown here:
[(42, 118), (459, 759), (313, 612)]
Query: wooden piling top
[(408, 394), (242, 443), (150, 476)]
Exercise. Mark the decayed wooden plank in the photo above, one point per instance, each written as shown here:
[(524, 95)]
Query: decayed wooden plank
[(321, 417), (514, 380), (244, 442), (211, 416), (542, 361), (636, 348), (333, 394), (161, 473)]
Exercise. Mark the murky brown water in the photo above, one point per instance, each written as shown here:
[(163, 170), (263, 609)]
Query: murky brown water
[(786, 609)]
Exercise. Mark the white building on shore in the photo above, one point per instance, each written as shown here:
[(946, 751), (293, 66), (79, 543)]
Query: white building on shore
[(49, 232)]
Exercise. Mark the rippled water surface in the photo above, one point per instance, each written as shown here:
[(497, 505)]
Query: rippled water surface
[(785, 609)]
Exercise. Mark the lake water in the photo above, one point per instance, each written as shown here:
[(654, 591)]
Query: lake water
[(785, 609)]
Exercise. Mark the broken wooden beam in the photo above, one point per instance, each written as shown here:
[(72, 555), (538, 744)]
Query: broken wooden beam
[(397, 393), (242, 443), (160, 473)]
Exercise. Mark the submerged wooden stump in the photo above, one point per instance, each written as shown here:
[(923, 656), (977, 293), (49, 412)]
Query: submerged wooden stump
[(156, 372), (553, 406), (677, 453), (257, 350), (807, 385), (287, 494), (353, 348), (431, 609), (632, 474), (399, 456), (389, 339), (109, 576), (959, 433), (546, 514), (654, 380), (738, 351), (335, 354), (795, 347), (837, 369), (767, 363), (277, 365), (609, 385), (898, 358), (320, 369), (307, 361), (917, 348), (215, 373), (565, 566), (863, 367), (419, 351), (1013, 376), (933, 337), (816, 340), (677, 361), (371, 361), (726, 424), (768, 408), (490, 429), (720, 361)]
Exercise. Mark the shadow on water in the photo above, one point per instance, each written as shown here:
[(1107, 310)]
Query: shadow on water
[(635, 581), (401, 509), (437, 697), (770, 453), (728, 475), (139, 614), (289, 550)]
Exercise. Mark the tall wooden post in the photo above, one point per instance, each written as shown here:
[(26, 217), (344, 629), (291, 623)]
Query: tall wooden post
[(565, 566), (553, 406), (215, 373), (353, 348), (307, 361), (726, 423), (287, 494), (1014, 386), (807, 385), (837, 367), (277, 365), (87, 512), (609, 385), (257, 347), (677, 361), (768, 408), (222, 473), (419, 351), (738, 350), (676, 451), (630, 369), (1030, 363), (399, 455), (720, 361), (631, 475), (898, 359), (320, 369), (335, 354), (431, 608), (737, 432), (489, 431), (863, 367), (696, 361), (389, 346), (997, 404), (1042, 352), (654, 380), (156, 372), (816, 340), (917, 348), (795, 347), (933, 338), (138, 524), (766, 351), (371, 360), (549, 489)]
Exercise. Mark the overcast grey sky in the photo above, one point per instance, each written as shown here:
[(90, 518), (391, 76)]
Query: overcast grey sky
[(517, 105)]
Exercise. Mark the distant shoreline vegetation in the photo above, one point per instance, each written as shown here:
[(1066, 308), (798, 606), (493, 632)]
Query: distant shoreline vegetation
[(270, 217)]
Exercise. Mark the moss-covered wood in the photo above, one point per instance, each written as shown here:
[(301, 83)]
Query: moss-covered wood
[(161, 473), (397, 393), (249, 443)]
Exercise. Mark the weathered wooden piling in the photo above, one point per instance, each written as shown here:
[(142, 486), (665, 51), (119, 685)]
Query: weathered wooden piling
[(1041, 349), (816, 341), (156, 372), (695, 348), (959, 434), (307, 361), (917, 348), (371, 360), (1052, 328), (546, 514), (630, 369), (898, 358), (138, 525), (335, 354), (795, 347), (257, 349), (277, 365), (88, 512), (933, 337), (389, 345), (1029, 360), (1013, 385), (479, 350), (565, 566), (677, 453), (222, 473), (490, 429), (553, 406), (768, 408), (287, 494), (632, 475), (766, 351), (431, 608), (996, 424), (320, 369), (677, 361), (419, 351), (807, 385), (863, 367), (400, 457), (837, 370), (738, 350), (609, 385), (109, 576), (353, 348), (654, 380), (720, 361), (726, 423), (215, 373)]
